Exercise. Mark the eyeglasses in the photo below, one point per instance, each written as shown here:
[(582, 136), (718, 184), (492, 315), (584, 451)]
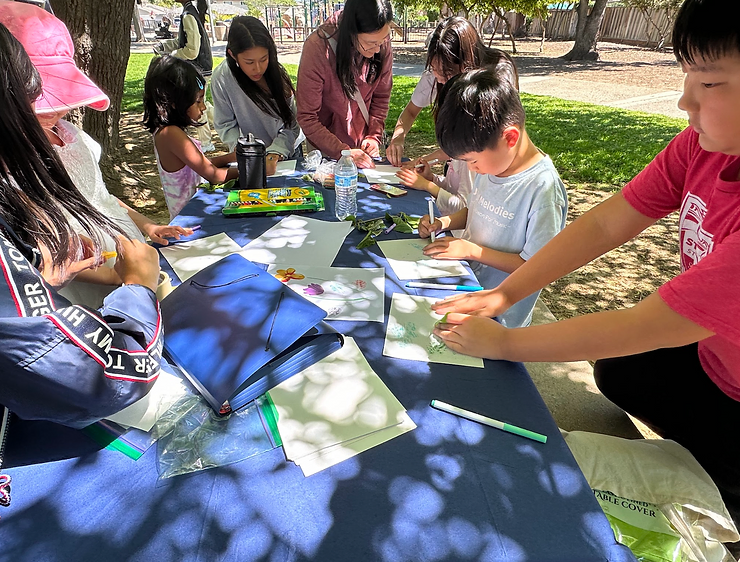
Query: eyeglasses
[(372, 45)]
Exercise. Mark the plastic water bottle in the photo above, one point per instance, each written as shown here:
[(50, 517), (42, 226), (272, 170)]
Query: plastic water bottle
[(345, 186)]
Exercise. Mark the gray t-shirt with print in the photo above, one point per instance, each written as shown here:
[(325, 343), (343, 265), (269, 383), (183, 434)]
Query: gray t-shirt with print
[(516, 214)]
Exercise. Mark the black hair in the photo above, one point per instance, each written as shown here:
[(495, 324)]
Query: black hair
[(36, 194), (246, 33), (456, 45), (474, 109), (202, 7), (171, 86), (706, 28), (360, 16)]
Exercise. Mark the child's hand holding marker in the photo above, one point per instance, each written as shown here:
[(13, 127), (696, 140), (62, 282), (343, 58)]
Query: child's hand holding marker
[(429, 224)]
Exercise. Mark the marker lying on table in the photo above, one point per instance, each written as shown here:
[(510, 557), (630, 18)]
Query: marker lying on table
[(488, 421), (417, 285), (194, 228), (432, 162)]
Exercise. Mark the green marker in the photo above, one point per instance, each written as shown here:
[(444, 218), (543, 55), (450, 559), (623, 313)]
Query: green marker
[(488, 421)]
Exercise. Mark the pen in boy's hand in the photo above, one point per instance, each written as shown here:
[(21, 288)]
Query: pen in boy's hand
[(194, 228), (108, 255), (431, 163)]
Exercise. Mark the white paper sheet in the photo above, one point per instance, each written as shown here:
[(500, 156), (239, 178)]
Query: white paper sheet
[(345, 293), (407, 260), (145, 412), (284, 168), (409, 333), (335, 401), (188, 258), (297, 240), (382, 173), (330, 456)]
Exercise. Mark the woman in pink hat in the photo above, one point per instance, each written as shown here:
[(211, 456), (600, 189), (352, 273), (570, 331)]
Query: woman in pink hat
[(50, 48)]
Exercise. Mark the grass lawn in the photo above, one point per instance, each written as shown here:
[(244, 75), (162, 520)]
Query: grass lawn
[(592, 145)]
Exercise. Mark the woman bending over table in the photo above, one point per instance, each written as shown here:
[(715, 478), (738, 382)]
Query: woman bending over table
[(345, 79)]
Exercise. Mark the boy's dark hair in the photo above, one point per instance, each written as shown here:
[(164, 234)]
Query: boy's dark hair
[(360, 16), (246, 33), (37, 196), (171, 86), (706, 28), (474, 109)]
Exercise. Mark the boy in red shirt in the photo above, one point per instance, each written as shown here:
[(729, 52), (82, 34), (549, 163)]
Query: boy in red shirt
[(673, 360)]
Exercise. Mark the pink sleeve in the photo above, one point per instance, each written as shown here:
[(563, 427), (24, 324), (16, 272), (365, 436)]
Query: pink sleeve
[(658, 189), (378, 107), (313, 71), (707, 293)]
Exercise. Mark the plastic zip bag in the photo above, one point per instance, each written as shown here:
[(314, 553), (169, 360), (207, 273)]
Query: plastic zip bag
[(192, 437)]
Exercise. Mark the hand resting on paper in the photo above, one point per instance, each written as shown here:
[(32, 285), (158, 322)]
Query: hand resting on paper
[(450, 248), (482, 303), (472, 335)]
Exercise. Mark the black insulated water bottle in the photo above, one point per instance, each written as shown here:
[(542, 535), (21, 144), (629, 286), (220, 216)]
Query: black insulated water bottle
[(250, 159)]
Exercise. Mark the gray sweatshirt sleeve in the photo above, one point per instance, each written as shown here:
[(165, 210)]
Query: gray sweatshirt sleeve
[(284, 143), (224, 117)]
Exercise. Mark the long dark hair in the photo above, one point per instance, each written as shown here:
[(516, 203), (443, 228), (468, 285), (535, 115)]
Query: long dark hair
[(456, 47), (35, 190), (360, 16), (202, 7), (171, 86), (246, 33)]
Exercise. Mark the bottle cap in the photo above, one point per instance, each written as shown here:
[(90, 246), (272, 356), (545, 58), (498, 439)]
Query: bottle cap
[(346, 153)]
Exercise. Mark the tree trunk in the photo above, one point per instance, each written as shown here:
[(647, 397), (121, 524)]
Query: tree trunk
[(502, 14), (587, 30), (101, 34)]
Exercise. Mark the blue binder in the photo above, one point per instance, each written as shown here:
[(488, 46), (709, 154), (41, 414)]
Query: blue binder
[(236, 332)]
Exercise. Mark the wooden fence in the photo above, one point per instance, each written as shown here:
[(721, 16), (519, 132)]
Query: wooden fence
[(620, 25)]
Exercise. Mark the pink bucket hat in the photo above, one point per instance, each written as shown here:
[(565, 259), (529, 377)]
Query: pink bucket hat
[(51, 50)]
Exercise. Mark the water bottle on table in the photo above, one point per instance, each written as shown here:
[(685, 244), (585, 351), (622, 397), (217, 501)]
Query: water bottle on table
[(345, 186)]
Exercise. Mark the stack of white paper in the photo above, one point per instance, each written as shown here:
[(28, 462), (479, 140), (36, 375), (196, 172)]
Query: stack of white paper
[(336, 409)]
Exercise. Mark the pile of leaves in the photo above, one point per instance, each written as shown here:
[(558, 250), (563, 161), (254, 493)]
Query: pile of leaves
[(383, 225)]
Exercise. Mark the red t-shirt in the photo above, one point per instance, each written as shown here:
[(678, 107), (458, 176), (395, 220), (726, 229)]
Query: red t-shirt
[(705, 187)]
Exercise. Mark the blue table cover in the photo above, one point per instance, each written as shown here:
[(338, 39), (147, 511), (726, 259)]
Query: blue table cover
[(451, 490)]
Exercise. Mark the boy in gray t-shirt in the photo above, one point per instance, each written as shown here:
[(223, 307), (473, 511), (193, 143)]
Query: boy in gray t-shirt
[(518, 202)]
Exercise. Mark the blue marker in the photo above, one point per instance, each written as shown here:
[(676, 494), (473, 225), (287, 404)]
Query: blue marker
[(415, 285)]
